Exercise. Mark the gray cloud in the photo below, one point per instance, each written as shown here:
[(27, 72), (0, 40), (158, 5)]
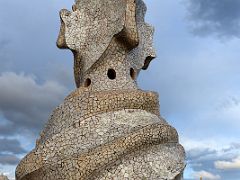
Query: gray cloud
[(199, 158), (228, 165), (25, 104), (9, 149), (198, 153), (11, 146), (6, 129), (228, 102), (212, 163), (6, 159), (233, 146), (218, 17), (3, 43)]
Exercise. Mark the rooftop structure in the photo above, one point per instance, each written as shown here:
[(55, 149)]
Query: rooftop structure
[(107, 128)]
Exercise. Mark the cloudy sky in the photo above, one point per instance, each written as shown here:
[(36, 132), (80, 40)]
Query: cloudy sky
[(196, 73)]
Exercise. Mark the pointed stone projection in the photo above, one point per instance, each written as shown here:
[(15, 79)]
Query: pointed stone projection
[(107, 128)]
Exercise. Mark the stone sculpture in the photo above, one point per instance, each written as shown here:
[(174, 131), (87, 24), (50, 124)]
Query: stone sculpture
[(107, 128), (2, 177)]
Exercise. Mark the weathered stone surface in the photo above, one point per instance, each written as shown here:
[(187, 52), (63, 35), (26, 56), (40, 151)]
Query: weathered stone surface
[(107, 128), (2, 177)]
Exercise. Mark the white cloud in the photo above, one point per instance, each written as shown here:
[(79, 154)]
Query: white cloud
[(205, 175), (203, 153), (212, 143), (228, 165), (211, 148)]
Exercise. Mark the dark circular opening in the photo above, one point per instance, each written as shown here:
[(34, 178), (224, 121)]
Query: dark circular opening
[(132, 73), (87, 82), (111, 74)]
